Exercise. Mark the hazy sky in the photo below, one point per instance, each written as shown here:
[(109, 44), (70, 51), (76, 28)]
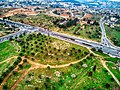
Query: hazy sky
[(93, 0), (115, 0)]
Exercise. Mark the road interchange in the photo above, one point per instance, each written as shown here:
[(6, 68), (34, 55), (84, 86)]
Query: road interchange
[(105, 45)]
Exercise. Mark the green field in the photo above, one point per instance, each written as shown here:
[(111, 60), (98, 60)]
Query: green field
[(83, 78), (16, 74), (113, 67), (107, 57), (42, 54), (113, 34), (7, 50)]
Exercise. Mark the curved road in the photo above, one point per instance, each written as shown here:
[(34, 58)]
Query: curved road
[(104, 39)]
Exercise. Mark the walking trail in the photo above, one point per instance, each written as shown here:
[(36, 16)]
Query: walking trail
[(6, 78), (7, 60), (103, 62), (38, 65), (105, 66)]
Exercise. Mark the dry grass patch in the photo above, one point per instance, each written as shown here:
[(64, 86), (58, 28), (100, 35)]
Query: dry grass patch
[(61, 45)]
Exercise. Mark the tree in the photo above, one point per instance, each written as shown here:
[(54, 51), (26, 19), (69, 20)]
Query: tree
[(32, 59), (77, 57), (79, 50), (53, 88), (112, 79), (99, 50), (16, 62), (19, 58), (81, 63), (57, 59), (36, 88), (25, 60), (86, 53), (47, 79), (14, 72), (27, 82), (20, 66), (61, 82), (11, 39), (35, 42), (32, 53), (90, 73), (48, 67), (93, 49), (107, 85), (94, 68), (11, 67), (37, 46), (71, 64), (40, 76), (95, 23), (46, 86), (1, 79), (5, 87), (91, 54), (40, 43), (22, 54)]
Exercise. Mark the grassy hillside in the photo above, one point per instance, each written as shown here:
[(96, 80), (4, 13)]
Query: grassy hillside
[(46, 63)]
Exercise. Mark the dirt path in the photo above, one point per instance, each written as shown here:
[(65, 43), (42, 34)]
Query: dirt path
[(38, 65), (105, 66), (34, 66), (71, 63), (7, 60), (56, 66), (22, 76), (103, 62), (6, 78)]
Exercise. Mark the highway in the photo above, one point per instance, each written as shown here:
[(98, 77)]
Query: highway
[(24, 28)]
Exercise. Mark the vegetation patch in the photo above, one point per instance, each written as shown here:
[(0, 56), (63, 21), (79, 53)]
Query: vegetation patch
[(7, 50), (48, 50), (74, 77), (114, 67), (113, 34), (36, 66), (6, 29), (89, 30)]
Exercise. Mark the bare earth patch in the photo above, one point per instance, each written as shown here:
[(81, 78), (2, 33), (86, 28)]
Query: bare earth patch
[(61, 45)]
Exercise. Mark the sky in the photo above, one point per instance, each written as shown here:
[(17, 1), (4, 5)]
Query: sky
[(93, 0), (83, 0), (115, 0)]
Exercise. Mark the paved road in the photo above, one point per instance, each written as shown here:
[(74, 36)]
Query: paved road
[(113, 51), (8, 37), (104, 39)]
